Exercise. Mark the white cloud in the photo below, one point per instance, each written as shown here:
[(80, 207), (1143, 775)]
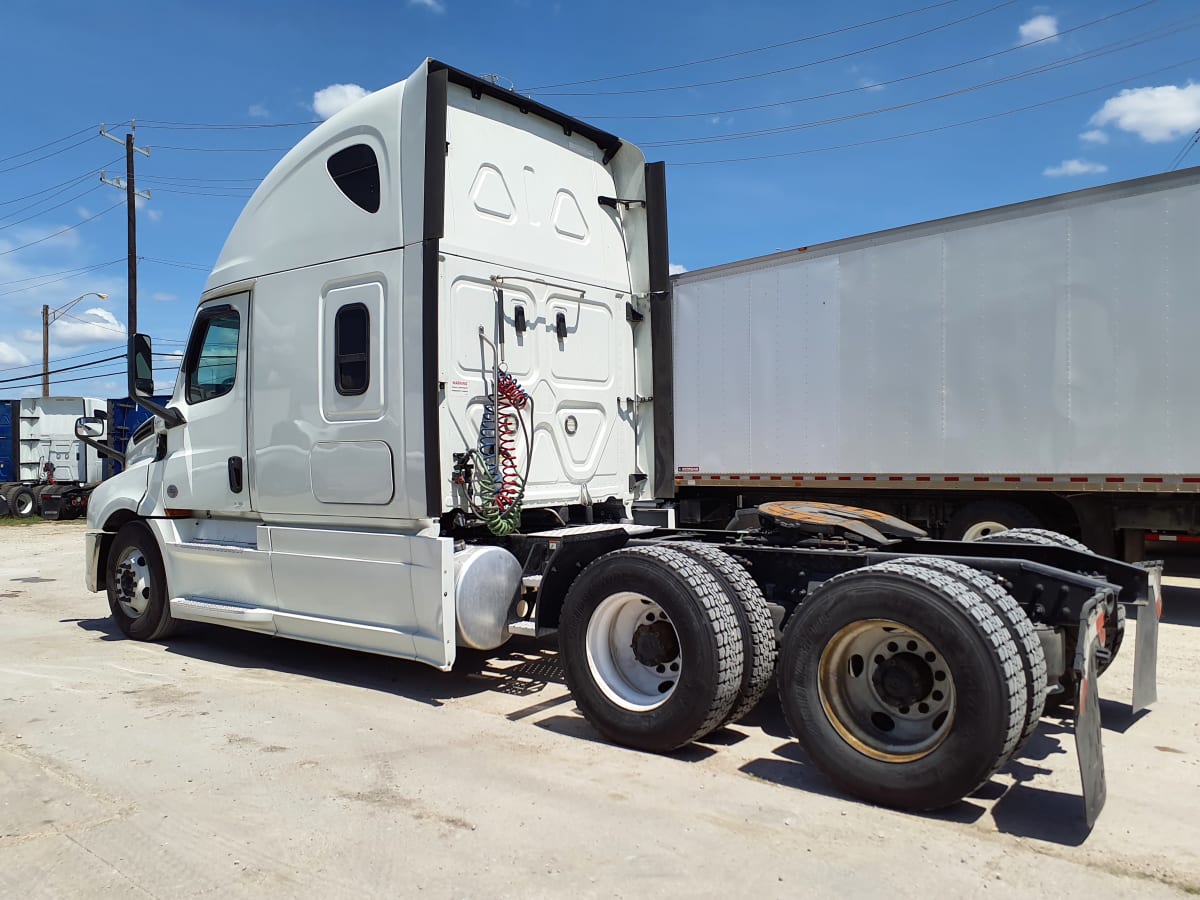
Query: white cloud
[(11, 356), (83, 212), (333, 99), (1095, 136), (676, 269), (436, 6), (1040, 28), (155, 215), (1155, 114), (1075, 167), (163, 297), (258, 111), (92, 326)]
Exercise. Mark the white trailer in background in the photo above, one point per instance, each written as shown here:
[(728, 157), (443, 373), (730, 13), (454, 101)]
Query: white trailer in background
[(1030, 365), (40, 452), (416, 410)]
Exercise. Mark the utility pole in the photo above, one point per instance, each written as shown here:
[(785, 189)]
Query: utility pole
[(131, 195)]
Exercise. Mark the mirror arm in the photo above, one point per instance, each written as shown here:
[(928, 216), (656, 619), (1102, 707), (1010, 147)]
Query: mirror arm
[(98, 445), (171, 417)]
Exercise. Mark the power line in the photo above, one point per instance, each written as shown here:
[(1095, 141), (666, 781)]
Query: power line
[(1188, 143), (80, 269), (847, 55), (167, 190), (61, 359), (42, 212), (176, 263), (736, 53), (118, 372), (94, 362), (45, 156), (224, 126), (68, 182), (83, 271), (63, 230), (66, 137), (881, 84), (924, 131), (1086, 56), (227, 149)]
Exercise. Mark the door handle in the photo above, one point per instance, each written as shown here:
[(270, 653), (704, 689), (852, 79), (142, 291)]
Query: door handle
[(235, 474)]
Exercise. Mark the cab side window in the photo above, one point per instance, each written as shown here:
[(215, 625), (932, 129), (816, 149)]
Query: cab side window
[(211, 363), (352, 350)]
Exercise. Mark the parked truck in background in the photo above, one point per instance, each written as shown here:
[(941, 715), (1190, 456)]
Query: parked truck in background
[(41, 456), (1025, 366), (421, 408)]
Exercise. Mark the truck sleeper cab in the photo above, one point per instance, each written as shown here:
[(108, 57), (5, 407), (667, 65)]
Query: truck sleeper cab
[(417, 408)]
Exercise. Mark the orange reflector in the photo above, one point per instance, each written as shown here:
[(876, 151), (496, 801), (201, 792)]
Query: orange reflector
[(180, 514)]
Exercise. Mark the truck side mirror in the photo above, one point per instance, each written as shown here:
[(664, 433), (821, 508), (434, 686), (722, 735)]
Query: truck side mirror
[(89, 427), (141, 366)]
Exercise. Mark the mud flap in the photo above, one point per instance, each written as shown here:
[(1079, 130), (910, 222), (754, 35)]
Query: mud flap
[(1145, 657), (1088, 747)]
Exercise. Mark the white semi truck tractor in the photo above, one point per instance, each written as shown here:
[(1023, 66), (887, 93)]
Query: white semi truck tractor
[(422, 405)]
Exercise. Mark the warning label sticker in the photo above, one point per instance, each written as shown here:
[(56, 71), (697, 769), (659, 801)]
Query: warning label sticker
[(459, 386), (688, 469)]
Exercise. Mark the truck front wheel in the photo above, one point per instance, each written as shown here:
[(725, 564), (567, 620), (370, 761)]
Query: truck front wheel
[(903, 686), (651, 647), (137, 585)]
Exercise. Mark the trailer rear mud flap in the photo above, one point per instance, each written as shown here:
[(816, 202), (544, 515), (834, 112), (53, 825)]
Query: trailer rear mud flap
[(1145, 657), (1088, 744)]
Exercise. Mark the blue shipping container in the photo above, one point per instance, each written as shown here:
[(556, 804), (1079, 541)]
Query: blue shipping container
[(124, 416), (9, 422)]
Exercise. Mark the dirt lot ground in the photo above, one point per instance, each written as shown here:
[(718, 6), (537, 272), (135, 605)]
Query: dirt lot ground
[(228, 764)]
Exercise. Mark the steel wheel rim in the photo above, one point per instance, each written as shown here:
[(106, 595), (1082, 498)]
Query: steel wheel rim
[(887, 690), (983, 529), (633, 652), (24, 504), (133, 582)]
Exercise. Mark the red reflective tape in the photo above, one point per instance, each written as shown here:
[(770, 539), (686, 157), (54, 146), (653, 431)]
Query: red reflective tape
[(1153, 479), (818, 478), (923, 478), (981, 478), (868, 478), (895, 478), (950, 478), (1079, 479), (1191, 479), (1012, 477), (1115, 479), (776, 478), (734, 477), (756, 478), (1044, 478)]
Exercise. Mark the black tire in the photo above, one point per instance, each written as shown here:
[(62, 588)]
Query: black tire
[(22, 501), (760, 647), (136, 546), (1000, 513), (982, 676), (699, 615), (1020, 629), (1040, 536), (4, 510)]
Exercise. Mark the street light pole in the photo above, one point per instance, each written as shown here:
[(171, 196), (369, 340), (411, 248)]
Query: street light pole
[(49, 316)]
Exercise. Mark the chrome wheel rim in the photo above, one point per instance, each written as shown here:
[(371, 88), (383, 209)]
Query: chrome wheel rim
[(133, 582), (633, 652), (886, 690)]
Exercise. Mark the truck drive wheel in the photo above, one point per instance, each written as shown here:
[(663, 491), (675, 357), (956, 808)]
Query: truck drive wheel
[(759, 645), (903, 685), (1020, 629), (22, 501), (651, 648), (1040, 536), (137, 585), (976, 521)]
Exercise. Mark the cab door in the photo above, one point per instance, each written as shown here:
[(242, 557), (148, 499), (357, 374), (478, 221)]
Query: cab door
[(205, 468)]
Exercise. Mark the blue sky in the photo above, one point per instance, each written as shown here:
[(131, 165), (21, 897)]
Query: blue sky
[(785, 124)]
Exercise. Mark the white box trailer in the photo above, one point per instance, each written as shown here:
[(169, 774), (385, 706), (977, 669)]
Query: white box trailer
[(414, 414), (1028, 365)]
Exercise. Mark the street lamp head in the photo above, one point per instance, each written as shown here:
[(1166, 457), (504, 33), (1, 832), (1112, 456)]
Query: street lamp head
[(102, 296)]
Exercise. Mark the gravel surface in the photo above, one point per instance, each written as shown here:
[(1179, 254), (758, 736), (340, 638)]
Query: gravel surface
[(228, 764)]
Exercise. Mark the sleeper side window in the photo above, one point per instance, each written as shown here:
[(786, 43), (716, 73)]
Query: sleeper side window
[(211, 363), (355, 170), (352, 349)]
